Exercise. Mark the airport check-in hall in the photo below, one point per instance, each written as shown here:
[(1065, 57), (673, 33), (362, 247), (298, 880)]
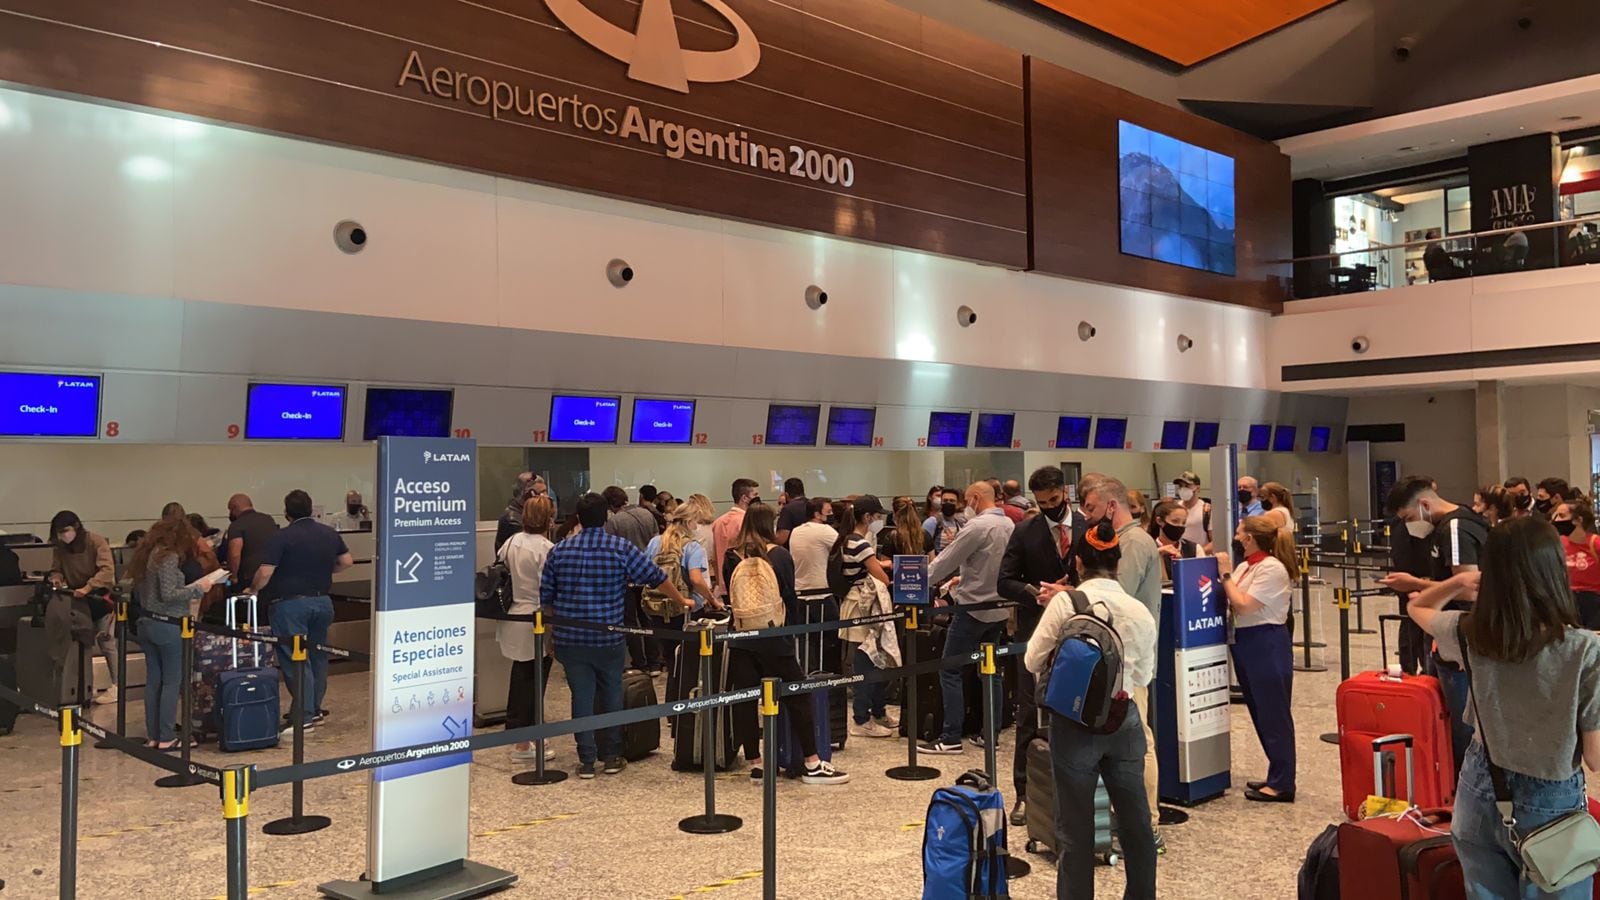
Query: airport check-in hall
[(803, 449)]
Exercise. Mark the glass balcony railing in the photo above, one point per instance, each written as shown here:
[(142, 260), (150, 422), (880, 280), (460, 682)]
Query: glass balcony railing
[(1571, 242)]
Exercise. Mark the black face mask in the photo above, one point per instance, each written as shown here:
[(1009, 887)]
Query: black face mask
[(1544, 506), (1245, 497), (1238, 550), (1137, 514), (1524, 500), (1173, 533), (353, 509), (948, 509), (1266, 504), (1054, 513), (1566, 528)]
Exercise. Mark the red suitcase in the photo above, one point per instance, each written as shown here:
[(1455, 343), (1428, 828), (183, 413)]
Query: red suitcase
[(1409, 857)]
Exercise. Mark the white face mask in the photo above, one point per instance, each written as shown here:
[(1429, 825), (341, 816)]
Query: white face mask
[(1420, 529), (1185, 494), (875, 526)]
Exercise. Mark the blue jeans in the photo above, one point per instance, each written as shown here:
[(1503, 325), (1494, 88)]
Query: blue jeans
[(1263, 658), (1454, 682), (163, 678), (1078, 759), (869, 700), (1489, 863), (308, 616), (595, 676), (964, 637)]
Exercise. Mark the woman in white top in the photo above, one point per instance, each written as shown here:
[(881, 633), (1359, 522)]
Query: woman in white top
[(1195, 510), (1278, 504), (524, 554), (1259, 592)]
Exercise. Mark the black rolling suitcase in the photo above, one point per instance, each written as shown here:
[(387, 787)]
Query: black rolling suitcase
[(820, 655), (1042, 810), (641, 738), (688, 736)]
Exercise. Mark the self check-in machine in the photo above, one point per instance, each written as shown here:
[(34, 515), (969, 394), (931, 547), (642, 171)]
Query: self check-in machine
[(1192, 730)]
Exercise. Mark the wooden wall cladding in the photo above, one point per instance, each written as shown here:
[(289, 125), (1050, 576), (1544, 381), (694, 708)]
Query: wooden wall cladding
[(1073, 184), (930, 118)]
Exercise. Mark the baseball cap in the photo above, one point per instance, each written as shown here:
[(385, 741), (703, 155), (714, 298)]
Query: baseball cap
[(1188, 478), (867, 504)]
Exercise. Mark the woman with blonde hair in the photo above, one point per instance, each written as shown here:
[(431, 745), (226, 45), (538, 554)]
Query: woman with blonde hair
[(524, 554), (1278, 504), (693, 575), (1258, 592)]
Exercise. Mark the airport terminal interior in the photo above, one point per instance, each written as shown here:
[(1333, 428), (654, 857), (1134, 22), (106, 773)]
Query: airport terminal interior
[(336, 339)]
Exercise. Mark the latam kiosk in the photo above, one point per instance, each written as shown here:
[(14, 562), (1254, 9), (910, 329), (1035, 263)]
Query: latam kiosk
[(1193, 752)]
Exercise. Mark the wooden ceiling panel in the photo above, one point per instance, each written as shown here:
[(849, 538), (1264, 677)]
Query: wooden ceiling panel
[(1186, 31)]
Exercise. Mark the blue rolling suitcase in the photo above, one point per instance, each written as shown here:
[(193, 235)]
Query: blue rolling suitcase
[(247, 711), (791, 758)]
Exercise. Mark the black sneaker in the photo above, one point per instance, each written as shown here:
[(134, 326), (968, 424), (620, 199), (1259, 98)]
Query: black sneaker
[(615, 765), (977, 740), (938, 748), (756, 775), (320, 717), (586, 770), (823, 773), (1161, 844)]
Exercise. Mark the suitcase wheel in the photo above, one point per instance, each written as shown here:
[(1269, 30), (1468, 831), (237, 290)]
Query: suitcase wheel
[(1110, 859), (1032, 846)]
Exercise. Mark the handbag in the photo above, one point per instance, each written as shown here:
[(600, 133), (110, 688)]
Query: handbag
[(1555, 855)]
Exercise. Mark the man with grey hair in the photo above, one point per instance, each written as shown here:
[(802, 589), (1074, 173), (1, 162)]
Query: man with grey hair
[(511, 519), (1139, 573)]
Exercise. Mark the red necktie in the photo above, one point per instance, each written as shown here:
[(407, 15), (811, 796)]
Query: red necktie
[(1066, 540)]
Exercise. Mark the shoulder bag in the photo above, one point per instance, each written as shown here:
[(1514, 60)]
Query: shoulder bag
[(1555, 855)]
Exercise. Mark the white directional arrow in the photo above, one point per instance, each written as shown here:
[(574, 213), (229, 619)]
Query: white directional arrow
[(405, 572)]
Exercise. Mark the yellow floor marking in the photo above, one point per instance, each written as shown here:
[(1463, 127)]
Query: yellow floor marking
[(559, 817), (715, 886)]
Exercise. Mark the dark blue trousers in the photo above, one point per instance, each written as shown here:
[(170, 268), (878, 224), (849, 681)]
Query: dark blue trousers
[(1264, 661)]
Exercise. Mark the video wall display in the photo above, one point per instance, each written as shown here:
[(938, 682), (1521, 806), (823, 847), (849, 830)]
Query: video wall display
[(1283, 438), (40, 404), (851, 426), (1260, 438), (949, 429), (583, 420), (406, 412), (295, 412), (1321, 435), (1072, 433), (1174, 435), (1177, 200), (792, 426), (662, 421), (1205, 435), (1110, 434), (995, 429)]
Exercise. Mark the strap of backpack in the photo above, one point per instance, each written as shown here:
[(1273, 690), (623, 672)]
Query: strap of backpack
[(1080, 600)]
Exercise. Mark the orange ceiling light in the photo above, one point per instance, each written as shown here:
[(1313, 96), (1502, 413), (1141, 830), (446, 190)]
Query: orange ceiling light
[(1186, 31)]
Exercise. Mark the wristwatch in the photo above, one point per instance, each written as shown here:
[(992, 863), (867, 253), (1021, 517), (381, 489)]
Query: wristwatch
[(1227, 577)]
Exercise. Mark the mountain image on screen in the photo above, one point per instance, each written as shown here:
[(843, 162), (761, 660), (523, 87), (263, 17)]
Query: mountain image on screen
[(1177, 201)]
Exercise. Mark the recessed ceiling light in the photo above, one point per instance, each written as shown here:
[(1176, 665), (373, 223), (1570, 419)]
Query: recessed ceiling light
[(1406, 150), (1572, 118)]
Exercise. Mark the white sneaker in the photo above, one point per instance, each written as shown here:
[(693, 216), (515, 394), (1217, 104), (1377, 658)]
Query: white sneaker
[(532, 753), (869, 729), (886, 722), (106, 697)]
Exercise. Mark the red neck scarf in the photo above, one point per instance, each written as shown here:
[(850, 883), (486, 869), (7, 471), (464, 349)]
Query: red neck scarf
[(1256, 557)]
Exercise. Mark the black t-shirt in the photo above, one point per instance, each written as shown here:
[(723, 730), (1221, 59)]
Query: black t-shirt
[(793, 514), (257, 529), (303, 554), (1457, 540)]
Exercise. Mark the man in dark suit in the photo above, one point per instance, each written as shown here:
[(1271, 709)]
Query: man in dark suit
[(1039, 554)]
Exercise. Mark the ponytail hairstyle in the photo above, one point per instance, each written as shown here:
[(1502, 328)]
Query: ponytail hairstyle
[(1100, 553), (1278, 543), (844, 513)]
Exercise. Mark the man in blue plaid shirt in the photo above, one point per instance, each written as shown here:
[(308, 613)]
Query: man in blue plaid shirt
[(586, 577)]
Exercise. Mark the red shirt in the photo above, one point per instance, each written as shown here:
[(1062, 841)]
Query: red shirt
[(1583, 565)]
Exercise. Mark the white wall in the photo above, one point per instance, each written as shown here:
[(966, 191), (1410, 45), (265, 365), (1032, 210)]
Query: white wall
[(1547, 431), (124, 202)]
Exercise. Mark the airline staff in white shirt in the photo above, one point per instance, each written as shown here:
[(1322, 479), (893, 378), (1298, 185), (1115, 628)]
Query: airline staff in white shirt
[(1259, 592)]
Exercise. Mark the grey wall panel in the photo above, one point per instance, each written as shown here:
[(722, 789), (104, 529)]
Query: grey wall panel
[(714, 419), (143, 407), (1036, 429), (1144, 433), (502, 417), (747, 419), (91, 332), (208, 405)]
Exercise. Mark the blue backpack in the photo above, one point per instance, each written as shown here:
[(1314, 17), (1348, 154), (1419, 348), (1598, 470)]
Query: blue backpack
[(1084, 681), (964, 842)]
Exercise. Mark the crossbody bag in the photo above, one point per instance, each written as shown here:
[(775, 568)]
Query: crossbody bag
[(1555, 855)]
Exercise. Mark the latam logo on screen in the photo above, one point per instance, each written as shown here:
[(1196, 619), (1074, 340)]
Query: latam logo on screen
[(654, 57)]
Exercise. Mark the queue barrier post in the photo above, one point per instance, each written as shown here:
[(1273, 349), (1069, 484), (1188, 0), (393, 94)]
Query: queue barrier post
[(1342, 596), (1016, 867), (769, 789), (235, 813), (71, 740), (911, 771), (1305, 616), (186, 778), (1361, 620), (711, 821), (298, 822), (121, 625), (540, 774)]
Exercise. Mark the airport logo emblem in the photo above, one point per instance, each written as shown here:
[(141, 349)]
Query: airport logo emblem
[(653, 52), (346, 765)]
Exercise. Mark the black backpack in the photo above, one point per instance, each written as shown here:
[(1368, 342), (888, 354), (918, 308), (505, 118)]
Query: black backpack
[(838, 584), (10, 567), (492, 590)]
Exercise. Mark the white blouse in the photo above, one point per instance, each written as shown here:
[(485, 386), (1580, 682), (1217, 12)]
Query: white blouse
[(1269, 583), (524, 555)]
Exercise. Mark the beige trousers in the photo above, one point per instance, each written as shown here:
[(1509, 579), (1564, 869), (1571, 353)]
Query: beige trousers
[(1141, 698)]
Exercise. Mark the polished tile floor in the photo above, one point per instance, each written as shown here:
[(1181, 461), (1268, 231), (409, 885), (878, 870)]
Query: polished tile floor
[(617, 837)]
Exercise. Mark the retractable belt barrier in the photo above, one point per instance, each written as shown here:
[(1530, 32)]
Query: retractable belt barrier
[(373, 759), (259, 637)]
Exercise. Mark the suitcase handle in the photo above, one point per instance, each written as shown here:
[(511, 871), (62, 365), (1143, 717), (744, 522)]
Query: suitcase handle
[(1408, 741), (1383, 637)]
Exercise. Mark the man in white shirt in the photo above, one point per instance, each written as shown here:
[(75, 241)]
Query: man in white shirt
[(809, 544), (1078, 756), (975, 552)]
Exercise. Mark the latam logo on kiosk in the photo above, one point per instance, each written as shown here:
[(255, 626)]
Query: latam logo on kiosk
[(1208, 616), (655, 57)]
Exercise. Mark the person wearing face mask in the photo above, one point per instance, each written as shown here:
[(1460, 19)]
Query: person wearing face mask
[(1039, 553), (1455, 538), (1139, 508), (1277, 504), (1196, 511), (725, 529), (1574, 521), (1550, 493), (1521, 495), (1249, 497), (81, 563), (870, 647), (943, 528), (1013, 512), (1167, 526), (353, 517)]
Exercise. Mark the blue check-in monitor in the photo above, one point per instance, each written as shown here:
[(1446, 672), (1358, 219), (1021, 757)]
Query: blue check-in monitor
[(407, 412), (792, 426), (995, 429), (1174, 435), (1072, 433), (1260, 438), (49, 404), (663, 421), (583, 420), (1205, 435), (851, 426), (1283, 439), (295, 412), (1110, 434), (1321, 435), (949, 429)]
